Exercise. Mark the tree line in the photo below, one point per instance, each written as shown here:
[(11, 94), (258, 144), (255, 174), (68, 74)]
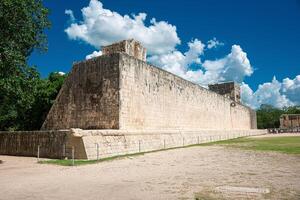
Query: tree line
[(268, 116)]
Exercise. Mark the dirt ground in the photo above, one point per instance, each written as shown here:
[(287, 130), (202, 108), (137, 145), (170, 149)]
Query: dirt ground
[(211, 172)]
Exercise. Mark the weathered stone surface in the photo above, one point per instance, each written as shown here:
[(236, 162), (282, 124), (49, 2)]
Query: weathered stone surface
[(25, 143), (121, 142), (130, 47), (290, 121), (139, 107), (89, 98), (93, 144), (151, 98), (118, 91), (230, 90)]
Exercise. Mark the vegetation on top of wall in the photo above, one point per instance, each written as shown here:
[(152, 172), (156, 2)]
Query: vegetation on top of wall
[(268, 116)]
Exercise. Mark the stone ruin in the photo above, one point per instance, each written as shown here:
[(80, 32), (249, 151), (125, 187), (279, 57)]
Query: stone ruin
[(125, 105), (120, 90), (130, 47), (230, 90)]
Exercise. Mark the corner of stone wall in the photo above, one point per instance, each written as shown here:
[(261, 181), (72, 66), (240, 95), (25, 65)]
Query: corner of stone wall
[(74, 140)]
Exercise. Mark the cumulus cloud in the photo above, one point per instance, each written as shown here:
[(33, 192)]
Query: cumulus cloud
[(102, 26), (291, 88), (71, 15), (233, 67), (272, 93), (93, 55), (214, 43), (177, 62)]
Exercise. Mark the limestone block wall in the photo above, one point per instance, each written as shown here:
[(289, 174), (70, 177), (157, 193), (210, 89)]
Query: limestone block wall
[(130, 47), (97, 144), (118, 91), (89, 98), (151, 98), (25, 143), (108, 143)]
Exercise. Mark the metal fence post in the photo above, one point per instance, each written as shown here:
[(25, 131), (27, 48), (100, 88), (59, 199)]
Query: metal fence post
[(73, 155), (97, 146), (38, 153), (139, 145), (198, 140), (164, 143), (183, 141), (64, 151)]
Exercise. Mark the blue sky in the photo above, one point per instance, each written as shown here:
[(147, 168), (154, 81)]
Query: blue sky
[(266, 32)]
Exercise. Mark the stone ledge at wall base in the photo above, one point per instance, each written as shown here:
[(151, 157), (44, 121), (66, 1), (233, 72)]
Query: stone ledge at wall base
[(97, 144)]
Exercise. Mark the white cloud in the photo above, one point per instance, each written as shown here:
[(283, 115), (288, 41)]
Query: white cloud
[(291, 88), (214, 43), (267, 93), (61, 73), (102, 27), (233, 67), (177, 62), (71, 15), (93, 55)]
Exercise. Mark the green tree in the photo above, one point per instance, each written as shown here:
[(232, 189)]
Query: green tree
[(268, 116), (22, 23), (292, 110), (46, 92)]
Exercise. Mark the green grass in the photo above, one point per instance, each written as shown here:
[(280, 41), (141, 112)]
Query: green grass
[(289, 145), (84, 162)]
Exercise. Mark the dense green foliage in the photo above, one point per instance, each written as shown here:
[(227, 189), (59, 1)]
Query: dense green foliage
[(22, 23), (46, 91), (24, 97), (28, 110), (268, 116)]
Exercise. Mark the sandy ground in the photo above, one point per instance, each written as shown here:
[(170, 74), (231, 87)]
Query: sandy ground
[(213, 171)]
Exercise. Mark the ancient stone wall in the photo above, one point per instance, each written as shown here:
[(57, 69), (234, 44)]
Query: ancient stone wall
[(25, 143), (130, 47), (151, 98), (118, 91), (108, 143), (290, 121), (93, 144), (230, 90), (89, 98)]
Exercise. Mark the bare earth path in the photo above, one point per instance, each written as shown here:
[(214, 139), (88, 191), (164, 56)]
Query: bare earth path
[(213, 171)]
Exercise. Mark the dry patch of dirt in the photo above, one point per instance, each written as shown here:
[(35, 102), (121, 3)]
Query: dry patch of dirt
[(208, 172)]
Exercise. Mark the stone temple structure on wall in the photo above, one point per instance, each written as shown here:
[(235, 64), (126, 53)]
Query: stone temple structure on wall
[(125, 105)]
